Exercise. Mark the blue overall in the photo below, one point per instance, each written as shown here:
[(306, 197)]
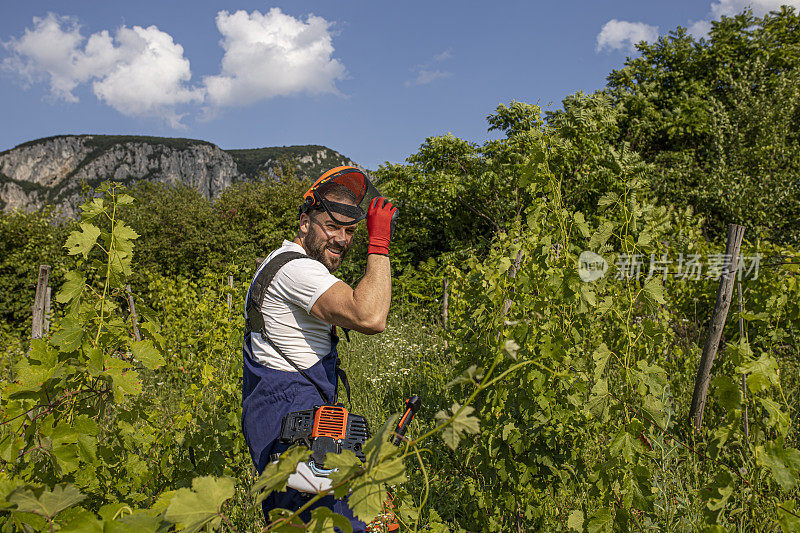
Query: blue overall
[(268, 395)]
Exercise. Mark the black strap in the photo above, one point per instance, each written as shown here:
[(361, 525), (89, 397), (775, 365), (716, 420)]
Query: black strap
[(254, 320)]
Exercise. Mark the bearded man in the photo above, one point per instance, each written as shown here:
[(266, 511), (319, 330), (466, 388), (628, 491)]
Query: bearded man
[(294, 304)]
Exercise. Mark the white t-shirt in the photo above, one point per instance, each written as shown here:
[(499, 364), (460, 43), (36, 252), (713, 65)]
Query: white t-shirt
[(302, 337)]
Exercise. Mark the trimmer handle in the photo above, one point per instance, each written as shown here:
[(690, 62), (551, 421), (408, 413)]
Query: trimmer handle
[(412, 406)]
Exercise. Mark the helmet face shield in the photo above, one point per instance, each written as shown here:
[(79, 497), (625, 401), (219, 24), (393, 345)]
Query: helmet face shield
[(342, 192)]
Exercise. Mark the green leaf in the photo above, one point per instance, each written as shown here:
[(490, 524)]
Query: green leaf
[(92, 208), (511, 348), (599, 400), (788, 516), (601, 521), (471, 375), (783, 462), (69, 337), (763, 373), (44, 502), (346, 465), (194, 508), (384, 465), (778, 418), (323, 520), (83, 522), (727, 392), (575, 521), (600, 357), (275, 475), (81, 242), (124, 199), (72, 287), (147, 353), (463, 423), (653, 293), (717, 494)]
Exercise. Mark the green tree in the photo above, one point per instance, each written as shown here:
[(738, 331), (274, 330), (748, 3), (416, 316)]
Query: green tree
[(720, 119)]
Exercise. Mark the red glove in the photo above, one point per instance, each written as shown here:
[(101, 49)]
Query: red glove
[(381, 217)]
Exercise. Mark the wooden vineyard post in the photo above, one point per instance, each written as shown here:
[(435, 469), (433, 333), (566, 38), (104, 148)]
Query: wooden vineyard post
[(136, 335), (39, 302), (230, 295), (445, 305), (718, 318), (46, 321), (745, 422)]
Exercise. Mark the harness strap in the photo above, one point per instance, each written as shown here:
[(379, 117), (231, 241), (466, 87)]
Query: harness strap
[(254, 320)]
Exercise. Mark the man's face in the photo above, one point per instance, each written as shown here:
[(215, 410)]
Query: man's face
[(326, 241)]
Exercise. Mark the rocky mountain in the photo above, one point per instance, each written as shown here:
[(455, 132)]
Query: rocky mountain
[(55, 170)]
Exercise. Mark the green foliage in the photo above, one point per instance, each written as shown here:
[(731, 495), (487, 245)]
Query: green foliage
[(27, 240), (719, 120)]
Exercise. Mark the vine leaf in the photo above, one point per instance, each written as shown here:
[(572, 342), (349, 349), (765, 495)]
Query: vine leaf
[(69, 337), (323, 520), (788, 521), (653, 293), (600, 357), (72, 287), (45, 502), (470, 376), (462, 423), (575, 520), (783, 462), (92, 208), (147, 353), (194, 508), (717, 494), (275, 475), (346, 464), (601, 521), (511, 348), (368, 491), (83, 240)]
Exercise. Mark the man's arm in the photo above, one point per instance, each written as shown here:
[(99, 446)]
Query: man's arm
[(363, 309)]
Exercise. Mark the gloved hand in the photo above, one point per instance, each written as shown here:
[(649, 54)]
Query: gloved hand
[(381, 217)]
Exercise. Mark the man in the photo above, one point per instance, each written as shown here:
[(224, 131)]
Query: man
[(290, 357)]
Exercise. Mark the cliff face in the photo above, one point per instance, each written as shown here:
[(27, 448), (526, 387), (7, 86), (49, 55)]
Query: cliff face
[(53, 171)]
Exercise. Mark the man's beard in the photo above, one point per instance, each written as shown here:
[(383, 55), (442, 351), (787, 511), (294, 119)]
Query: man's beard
[(316, 244)]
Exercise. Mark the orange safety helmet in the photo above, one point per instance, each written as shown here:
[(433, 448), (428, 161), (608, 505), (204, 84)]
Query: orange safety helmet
[(352, 178)]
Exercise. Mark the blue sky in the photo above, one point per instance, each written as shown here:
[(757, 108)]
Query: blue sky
[(369, 79)]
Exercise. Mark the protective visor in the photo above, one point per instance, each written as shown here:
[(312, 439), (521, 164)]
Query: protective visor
[(342, 192)]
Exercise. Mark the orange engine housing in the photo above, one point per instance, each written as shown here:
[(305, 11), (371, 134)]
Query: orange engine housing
[(330, 421)]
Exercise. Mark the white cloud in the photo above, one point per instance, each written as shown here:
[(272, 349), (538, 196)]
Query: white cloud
[(759, 7), (699, 29), (429, 72), (620, 34), (729, 8), (140, 72), (427, 76), (272, 54)]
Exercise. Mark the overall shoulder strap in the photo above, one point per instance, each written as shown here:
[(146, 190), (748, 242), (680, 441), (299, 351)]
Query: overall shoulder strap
[(254, 320)]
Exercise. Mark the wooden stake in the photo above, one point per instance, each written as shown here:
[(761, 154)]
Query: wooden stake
[(46, 323), (744, 375), (718, 318), (39, 302), (134, 318), (230, 295), (445, 305)]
